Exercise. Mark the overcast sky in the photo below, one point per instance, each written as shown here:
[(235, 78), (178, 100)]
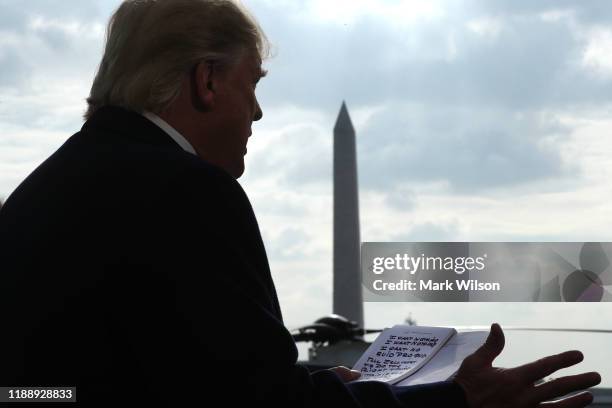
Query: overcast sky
[(476, 121)]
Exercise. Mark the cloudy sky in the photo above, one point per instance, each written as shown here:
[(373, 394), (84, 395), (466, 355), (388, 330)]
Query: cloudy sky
[(476, 121)]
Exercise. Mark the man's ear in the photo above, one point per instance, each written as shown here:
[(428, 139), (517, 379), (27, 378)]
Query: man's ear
[(202, 87)]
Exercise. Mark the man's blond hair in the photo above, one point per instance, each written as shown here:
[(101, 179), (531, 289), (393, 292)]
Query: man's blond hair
[(152, 44)]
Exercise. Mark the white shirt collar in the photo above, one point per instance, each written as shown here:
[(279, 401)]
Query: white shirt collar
[(172, 132)]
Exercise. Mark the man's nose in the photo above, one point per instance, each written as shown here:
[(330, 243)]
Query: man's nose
[(258, 112)]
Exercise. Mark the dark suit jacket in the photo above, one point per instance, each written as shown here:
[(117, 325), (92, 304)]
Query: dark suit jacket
[(136, 271)]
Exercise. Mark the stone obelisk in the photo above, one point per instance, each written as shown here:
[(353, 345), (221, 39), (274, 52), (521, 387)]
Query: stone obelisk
[(347, 276)]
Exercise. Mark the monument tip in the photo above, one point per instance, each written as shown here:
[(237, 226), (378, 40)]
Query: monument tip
[(344, 119)]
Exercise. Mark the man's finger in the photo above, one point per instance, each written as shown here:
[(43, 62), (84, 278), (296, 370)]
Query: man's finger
[(492, 347), (346, 374), (562, 386), (576, 401), (539, 369)]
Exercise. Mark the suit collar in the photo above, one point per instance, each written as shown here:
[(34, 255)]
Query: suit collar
[(129, 124)]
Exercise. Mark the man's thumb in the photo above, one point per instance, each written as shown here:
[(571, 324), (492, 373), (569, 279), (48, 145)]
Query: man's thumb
[(493, 346)]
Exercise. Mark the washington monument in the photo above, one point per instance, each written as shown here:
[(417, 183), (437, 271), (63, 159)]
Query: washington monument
[(347, 277)]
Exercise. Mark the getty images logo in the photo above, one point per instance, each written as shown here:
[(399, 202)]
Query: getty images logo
[(414, 264)]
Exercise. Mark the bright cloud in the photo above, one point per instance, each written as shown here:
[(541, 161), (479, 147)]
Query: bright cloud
[(598, 53)]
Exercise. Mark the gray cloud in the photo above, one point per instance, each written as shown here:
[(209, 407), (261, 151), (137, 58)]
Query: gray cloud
[(289, 245), (15, 15), (14, 70), (592, 11), (31, 42), (401, 198), (304, 157), (528, 64), (48, 52), (467, 116), (404, 143), (274, 203), (493, 150), (428, 232)]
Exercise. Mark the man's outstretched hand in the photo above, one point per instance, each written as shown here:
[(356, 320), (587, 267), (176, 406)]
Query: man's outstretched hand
[(486, 386)]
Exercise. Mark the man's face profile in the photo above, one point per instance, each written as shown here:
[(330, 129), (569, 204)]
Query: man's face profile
[(234, 109)]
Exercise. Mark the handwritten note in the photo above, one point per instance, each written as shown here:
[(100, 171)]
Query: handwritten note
[(401, 350)]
